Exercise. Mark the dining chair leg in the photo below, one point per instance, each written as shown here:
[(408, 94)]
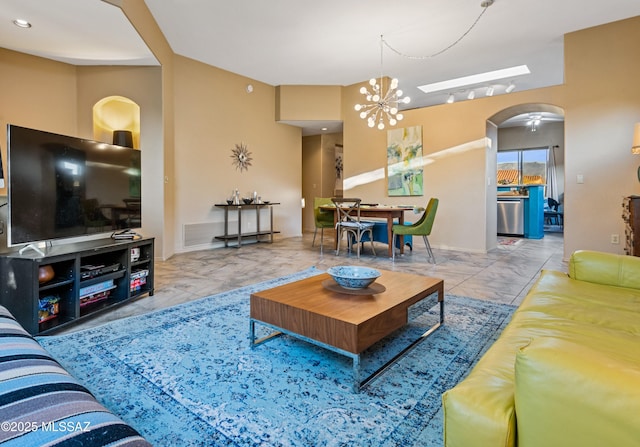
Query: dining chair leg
[(393, 247), (314, 237), (357, 236), (373, 249), (428, 245)]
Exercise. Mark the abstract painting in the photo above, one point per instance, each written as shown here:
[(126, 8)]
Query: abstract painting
[(404, 161)]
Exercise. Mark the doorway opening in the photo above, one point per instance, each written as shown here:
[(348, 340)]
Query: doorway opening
[(530, 152)]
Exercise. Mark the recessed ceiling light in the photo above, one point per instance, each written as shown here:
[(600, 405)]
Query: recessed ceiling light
[(21, 23), (475, 79), (324, 128)]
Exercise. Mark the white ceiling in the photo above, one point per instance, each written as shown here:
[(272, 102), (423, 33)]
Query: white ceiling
[(329, 42)]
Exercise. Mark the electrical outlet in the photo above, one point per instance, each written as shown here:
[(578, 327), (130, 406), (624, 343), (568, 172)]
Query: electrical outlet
[(615, 238)]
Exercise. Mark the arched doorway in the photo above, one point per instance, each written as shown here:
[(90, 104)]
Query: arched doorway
[(529, 142)]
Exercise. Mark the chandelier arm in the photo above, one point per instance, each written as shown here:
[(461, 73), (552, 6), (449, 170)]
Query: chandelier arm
[(485, 6), (390, 96)]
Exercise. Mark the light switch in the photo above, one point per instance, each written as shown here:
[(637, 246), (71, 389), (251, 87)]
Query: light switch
[(580, 178)]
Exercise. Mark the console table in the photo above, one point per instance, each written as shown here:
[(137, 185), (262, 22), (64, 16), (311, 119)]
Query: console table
[(240, 236)]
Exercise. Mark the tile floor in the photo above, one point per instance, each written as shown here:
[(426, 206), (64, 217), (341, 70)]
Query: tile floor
[(503, 274)]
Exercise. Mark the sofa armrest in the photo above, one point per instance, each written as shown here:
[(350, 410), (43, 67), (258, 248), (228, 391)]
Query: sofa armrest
[(605, 268), (572, 394)]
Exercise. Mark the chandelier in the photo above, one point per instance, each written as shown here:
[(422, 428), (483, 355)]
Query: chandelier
[(382, 105)]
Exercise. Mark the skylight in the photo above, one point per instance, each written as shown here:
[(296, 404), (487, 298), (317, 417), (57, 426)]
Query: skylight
[(475, 79)]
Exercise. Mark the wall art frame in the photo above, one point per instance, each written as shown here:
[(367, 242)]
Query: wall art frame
[(405, 170)]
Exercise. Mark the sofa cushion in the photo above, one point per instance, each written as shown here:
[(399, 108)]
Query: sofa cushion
[(480, 411), (569, 393), (42, 404), (557, 300)]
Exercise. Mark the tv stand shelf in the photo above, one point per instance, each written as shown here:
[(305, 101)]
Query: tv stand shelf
[(121, 271)]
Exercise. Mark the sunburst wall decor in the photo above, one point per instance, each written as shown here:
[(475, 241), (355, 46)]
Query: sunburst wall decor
[(241, 157)]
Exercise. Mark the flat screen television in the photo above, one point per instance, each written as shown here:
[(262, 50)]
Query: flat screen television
[(65, 187)]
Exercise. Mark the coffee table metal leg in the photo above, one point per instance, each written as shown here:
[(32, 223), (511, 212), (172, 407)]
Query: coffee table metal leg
[(252, 334), (356, 373), (413, 344)]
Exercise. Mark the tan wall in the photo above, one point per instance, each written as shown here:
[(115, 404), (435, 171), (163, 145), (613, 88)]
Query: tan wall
[(603, 103), (36, 93), (213, 113), (293, 102), (206, 111)]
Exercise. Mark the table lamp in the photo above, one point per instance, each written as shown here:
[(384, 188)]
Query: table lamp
[(123, 138)]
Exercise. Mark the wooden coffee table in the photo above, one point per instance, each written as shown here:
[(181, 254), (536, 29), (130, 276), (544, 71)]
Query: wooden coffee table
[(342, 322)]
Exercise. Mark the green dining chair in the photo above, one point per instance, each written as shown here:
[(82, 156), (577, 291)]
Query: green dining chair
[(421, 228), (323, 219)]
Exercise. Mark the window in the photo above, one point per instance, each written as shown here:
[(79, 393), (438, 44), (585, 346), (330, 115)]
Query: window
[(522, 167)]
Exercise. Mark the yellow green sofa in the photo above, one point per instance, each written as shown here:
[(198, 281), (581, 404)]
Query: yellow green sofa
[(565, 371)]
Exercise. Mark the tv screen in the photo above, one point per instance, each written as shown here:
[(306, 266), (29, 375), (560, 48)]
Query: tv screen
[(62, 187)]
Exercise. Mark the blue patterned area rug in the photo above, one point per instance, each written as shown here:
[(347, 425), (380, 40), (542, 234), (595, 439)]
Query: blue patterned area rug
[(186, 376)]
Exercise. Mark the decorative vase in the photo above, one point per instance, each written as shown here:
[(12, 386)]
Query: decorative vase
[(45, 274)]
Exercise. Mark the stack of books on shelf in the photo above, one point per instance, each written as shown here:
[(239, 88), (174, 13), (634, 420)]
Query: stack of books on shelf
[(96, 292), (138, 280)]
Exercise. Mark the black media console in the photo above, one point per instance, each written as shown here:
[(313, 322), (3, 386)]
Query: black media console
[(88, 278)]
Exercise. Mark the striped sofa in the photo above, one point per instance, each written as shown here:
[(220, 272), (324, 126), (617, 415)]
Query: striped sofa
[(42, 404)]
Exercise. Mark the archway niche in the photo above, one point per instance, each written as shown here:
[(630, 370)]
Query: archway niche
[(116, 113), (521, 109)]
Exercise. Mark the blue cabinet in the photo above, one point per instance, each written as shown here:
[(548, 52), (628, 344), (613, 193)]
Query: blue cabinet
[(533, 208), (534, 212)]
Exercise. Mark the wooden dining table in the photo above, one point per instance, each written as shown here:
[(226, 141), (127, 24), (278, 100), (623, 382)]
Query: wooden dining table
[(390, 213)]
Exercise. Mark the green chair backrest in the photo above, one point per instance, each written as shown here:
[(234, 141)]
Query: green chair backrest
[(424, 225), (322, 217)]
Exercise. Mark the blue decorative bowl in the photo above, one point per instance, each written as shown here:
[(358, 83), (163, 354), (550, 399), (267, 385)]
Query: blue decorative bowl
[(352, 277)]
